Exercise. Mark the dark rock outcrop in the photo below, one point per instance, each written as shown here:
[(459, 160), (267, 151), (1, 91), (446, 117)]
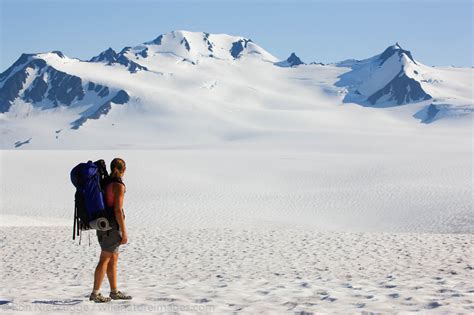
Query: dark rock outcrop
[(110, 57), (238, 47), (121, 97), (60, 87), (402, 90), (395, 49), (294, 60)]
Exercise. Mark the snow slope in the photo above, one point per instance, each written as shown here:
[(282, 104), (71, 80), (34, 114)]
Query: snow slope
[(385, 79), (395, 78), (191, 87), (390, 182)]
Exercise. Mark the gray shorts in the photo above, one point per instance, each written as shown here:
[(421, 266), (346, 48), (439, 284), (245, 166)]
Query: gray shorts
[(110, 240)]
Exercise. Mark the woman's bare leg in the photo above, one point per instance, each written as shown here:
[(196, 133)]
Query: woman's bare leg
[(112, 271), (101, 269)]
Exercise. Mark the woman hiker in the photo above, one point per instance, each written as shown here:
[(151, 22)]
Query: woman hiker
[(110, 240)]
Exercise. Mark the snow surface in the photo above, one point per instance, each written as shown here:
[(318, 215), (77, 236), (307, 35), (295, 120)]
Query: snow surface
[(391, 183), (328, 223), (270, 270)]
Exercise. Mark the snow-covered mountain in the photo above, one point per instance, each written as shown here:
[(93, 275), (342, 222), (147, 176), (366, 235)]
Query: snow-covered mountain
[(388, 79), (395, 78), (292, 61), (34, 81), (194, 86), (192, 46), (187, 46)]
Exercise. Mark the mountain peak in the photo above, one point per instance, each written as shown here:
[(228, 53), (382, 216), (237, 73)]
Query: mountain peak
[(394, 49), (108, 55), (58, 53), (384, 80), (294, 60), (192, 46)]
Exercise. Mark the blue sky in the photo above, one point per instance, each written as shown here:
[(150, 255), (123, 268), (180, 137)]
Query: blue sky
[(436, 32)]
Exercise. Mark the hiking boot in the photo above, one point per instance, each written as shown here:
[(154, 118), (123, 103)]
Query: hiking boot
[(119, 296), (99, 298)]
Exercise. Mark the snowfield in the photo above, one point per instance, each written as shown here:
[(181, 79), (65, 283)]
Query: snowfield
[(272, 269), (400, 184), (268, 226)]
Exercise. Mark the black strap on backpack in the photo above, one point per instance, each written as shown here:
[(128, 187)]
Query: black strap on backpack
[(75, 221), (76, 227)]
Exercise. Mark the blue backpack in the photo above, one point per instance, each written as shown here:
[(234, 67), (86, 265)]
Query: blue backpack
[(88, 178)]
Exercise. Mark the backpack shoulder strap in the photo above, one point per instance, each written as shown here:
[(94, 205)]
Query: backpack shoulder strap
[(117, 180)]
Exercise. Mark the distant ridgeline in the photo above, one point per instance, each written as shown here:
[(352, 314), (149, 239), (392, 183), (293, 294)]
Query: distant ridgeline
[(48, 81)]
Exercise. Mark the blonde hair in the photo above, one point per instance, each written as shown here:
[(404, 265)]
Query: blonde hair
[(117, 168)]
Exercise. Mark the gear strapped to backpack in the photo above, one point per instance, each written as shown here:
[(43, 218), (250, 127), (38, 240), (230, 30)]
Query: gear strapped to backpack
[(89, 179)]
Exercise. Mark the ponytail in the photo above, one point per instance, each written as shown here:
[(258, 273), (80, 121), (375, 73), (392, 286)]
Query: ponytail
[(117, 168)]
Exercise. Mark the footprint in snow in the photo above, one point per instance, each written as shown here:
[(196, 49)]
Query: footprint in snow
[(204, 300), (432, 305)]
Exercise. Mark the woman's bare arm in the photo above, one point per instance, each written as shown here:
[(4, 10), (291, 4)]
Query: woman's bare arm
[(119, 191)]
